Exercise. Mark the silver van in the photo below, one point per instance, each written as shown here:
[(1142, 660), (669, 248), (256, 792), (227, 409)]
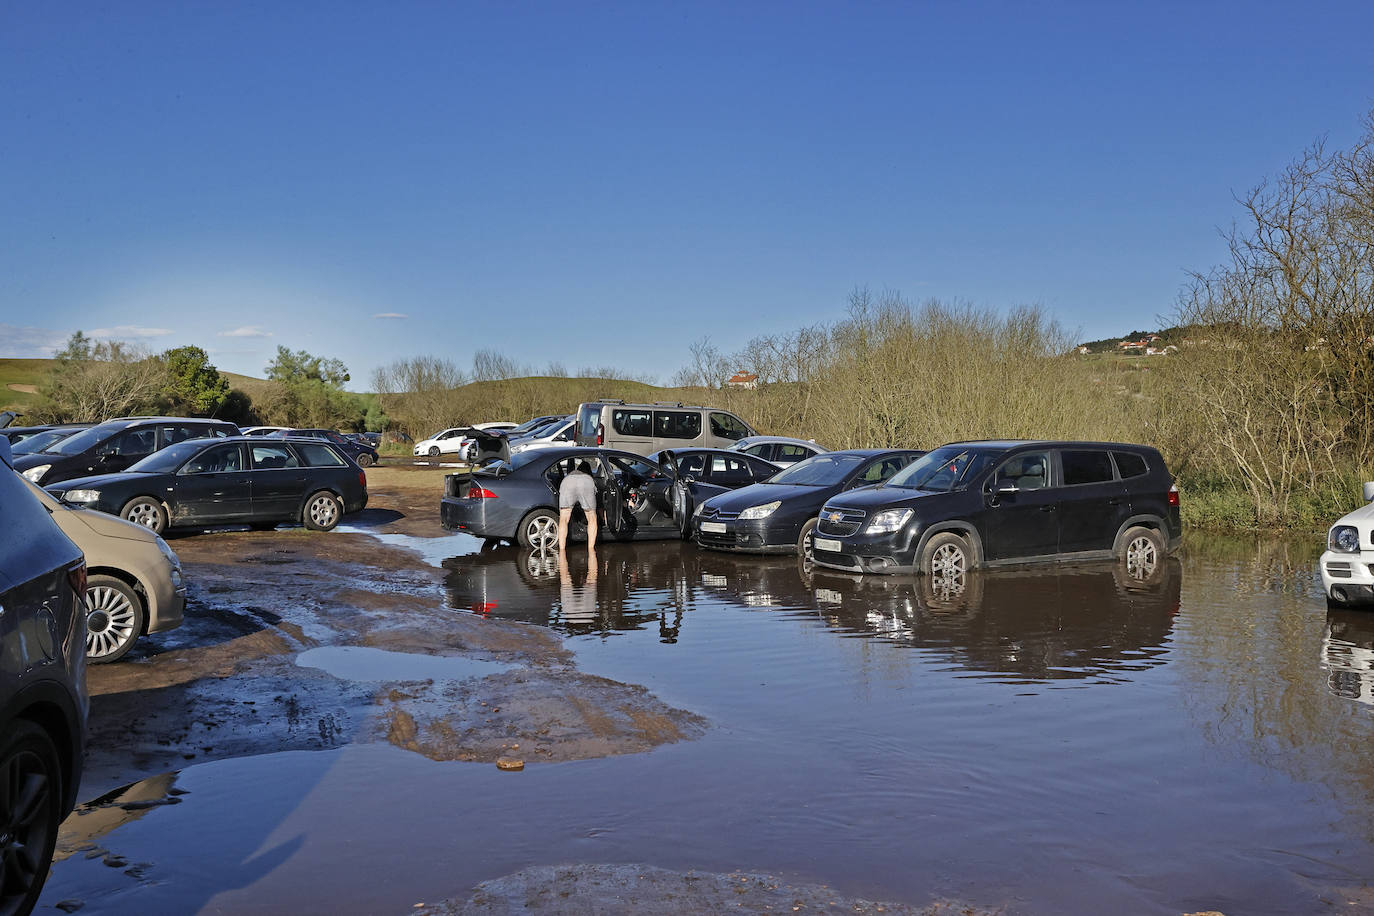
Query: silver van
[(648, 428)]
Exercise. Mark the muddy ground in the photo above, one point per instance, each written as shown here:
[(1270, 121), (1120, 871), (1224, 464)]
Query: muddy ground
[(227, 684)]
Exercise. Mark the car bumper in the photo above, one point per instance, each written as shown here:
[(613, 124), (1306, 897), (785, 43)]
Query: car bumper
[(1348, 577), (886, 554), (746, 536), (468, 516)]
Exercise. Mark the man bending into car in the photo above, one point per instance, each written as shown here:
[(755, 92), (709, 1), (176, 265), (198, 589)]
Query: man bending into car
[(577, 489)]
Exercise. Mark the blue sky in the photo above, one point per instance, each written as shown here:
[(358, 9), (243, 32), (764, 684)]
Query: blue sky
[(602, 183)]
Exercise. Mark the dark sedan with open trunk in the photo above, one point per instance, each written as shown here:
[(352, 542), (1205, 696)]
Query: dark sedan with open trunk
[(240, 481)]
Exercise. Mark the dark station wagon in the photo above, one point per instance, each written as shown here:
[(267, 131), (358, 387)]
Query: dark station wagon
[(970, 504)]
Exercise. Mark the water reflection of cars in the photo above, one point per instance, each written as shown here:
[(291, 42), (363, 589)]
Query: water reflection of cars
[(245, 481), (1348, 655), (1063, 622)]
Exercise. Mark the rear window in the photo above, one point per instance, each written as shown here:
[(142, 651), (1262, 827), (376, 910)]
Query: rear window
[(1130, 464), (319, 456), (1086, 466), (589, 420), (632, 422), (677, 424)]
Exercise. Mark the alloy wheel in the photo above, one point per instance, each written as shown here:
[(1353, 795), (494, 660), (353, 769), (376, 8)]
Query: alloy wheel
[(25, 831), (111, 621), (1142, 556), (144, 514), (324, 511), (541, 531)]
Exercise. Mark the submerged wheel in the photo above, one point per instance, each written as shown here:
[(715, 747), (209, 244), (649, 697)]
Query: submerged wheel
[(322, 511), (806, 540), (947, 559), (30, 810), (1143, 551), (539, 530), (114, 619), (145, 511)]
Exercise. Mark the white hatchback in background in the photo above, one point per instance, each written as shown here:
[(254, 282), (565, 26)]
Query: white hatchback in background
[(443, 441), (1347, 567), (134, 583)]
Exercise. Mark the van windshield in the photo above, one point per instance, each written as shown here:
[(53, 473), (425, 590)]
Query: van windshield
[(945, 469)]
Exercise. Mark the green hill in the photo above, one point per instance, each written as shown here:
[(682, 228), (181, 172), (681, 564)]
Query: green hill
[(19, 381)]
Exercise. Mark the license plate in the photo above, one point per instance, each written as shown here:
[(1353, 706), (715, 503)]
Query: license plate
[(713, 527), (829, 596), (825, 544)]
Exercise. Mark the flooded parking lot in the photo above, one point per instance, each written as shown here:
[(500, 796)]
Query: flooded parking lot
[(1066, 740)]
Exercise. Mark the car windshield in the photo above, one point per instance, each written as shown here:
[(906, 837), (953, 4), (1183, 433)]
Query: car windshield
[(945, 468), (820, 470), (82, 441), (40, 441), (171, 457)]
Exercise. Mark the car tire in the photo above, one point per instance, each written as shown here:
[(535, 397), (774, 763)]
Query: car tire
[(30, 764), (538, 530), (808, 534), (322, 511), (365, 461), (1142, 550), (145, 511), (434, 451), (114, 619), (947, 556)]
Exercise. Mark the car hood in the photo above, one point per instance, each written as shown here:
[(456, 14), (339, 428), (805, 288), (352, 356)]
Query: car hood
[(756, 494), (106, 525), (869, 498), (26, 460), (1362, 517), (96, 482)]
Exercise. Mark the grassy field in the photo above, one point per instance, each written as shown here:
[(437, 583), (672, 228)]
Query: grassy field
[(18, 379)]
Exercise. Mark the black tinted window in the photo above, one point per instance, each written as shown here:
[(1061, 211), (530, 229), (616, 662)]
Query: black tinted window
[(133, 442), (319, 456), (270, 457), (786, 452), (677, 424), (1130, 464), (632, 422), (730, 471), (728, 427), (218, 460), (1086, 466)]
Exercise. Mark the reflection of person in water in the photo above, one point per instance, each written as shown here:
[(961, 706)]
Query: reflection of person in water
[(578, 489), (578, 604)]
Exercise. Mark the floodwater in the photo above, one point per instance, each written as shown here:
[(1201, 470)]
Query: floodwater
[(1071, 740)]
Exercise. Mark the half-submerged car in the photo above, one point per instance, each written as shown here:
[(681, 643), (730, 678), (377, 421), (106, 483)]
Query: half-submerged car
[(1346, 571), (253, 481), (970, 504), (779, 516)]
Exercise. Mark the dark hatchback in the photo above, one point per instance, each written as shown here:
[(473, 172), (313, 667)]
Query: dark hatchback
[(43, 704), (779, 516), (972, 504), (361, 453), (113, 446), (241, 481)]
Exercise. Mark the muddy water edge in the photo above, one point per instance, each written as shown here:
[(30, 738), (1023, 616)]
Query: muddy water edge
[(701, 727)]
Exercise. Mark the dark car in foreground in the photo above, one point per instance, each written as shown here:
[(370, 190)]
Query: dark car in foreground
[(702, 473), (113, 446), (361, 453), (970, 504), (779, 516), (43, 703), (252, 481)]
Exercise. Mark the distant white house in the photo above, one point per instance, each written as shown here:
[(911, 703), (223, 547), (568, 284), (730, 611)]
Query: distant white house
[(743, 379)]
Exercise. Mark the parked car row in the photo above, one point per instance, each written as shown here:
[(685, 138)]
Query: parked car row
[(940, 513)]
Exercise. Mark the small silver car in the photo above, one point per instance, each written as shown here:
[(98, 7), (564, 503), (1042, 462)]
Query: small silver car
[(134, 583)]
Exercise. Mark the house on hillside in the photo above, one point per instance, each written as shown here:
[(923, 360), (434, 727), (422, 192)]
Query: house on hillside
[(1082, 350), (743, 379)]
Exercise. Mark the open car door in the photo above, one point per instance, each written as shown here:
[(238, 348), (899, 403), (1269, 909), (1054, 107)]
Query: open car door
[(612, 499)]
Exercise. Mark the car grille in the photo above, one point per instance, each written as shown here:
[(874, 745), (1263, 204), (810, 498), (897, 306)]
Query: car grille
[(840, 522), (713, 513), (1338, 570)]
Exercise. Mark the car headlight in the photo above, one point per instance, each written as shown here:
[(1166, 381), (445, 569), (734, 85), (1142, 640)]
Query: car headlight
[(1344, 538), (35, 474), (888, 520), (81, 497), (763, 511)]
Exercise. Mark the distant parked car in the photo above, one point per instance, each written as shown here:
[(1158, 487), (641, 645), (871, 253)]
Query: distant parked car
[(971, 504), (264, 430), (556, 434), (133, 583), (247, 481), (43, 437), (779, 516), (372, 440), (781, 450), (365, 455), (43, 703), (113, 446), (1346, 564)]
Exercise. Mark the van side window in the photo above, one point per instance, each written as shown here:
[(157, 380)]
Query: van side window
[(728, 427), (1130, 464), (677, 424), (632, 422), (1086, 466)]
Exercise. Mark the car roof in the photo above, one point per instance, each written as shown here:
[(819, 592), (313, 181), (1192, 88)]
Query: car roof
[(1047, 443), (873, 452), (781, 439)]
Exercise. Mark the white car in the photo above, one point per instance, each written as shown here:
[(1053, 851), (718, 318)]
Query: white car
[(441, 443), (553, 436), (1347, 567), (500, 427)]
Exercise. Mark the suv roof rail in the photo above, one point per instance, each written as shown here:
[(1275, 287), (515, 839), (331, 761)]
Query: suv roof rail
[(610, 400), (669, 404)]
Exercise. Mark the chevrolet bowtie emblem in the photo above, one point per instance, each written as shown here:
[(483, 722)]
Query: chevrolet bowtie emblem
[(835, 516)]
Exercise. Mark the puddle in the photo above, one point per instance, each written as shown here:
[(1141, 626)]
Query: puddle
[(432, 550), (361, 663)]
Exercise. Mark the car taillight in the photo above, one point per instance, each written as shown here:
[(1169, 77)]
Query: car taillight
[(476, 492), (1173, 495), (601, 434), (77, 577), (362, 478)]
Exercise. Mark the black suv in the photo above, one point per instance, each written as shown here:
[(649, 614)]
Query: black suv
[(42, 686), (113, 446), (971, 504)]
